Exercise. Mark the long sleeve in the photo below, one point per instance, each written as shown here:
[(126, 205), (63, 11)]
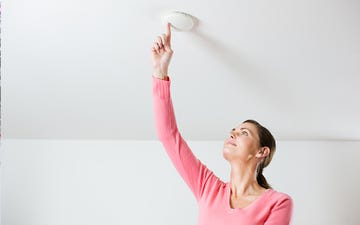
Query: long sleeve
[(281, 213), (194, 173)]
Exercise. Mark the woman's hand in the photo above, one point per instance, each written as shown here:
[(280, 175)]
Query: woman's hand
[(161, 54)]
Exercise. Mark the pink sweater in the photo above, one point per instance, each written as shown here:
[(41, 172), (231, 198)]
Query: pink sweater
[(212, 194)]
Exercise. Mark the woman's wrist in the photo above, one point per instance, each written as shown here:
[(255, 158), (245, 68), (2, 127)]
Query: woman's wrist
[(160, 74), (161, 77)]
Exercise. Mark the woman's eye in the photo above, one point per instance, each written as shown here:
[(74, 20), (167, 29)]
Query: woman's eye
[(244, 133)]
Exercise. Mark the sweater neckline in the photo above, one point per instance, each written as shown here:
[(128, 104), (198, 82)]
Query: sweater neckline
[(255, 202)]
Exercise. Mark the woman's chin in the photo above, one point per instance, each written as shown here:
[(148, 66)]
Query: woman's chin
[(227, 152)]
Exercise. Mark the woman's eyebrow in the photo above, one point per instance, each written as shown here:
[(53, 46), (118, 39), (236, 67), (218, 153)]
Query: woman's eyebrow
[(242, 128)]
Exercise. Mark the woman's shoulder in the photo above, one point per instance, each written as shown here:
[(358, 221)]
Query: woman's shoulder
[(278, 197)]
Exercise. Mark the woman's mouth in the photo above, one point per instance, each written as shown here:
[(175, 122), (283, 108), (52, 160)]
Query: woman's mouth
[(231, 142)]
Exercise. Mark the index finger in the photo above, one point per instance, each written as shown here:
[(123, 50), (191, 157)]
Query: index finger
[(168, 29)]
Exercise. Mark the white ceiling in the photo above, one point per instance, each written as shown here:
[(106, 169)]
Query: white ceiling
[(82, 68)]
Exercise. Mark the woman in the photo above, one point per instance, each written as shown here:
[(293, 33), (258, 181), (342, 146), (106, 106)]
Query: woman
[(247, 199)]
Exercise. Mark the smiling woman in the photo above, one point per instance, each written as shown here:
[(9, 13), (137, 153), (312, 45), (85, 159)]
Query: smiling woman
[(247, 198)]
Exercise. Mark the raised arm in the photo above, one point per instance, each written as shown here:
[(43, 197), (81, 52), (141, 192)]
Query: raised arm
[(194, 173)]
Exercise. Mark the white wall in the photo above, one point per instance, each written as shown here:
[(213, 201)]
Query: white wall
[(48, 182)]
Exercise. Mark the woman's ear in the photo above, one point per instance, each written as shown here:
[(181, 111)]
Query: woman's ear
[(263, 152)]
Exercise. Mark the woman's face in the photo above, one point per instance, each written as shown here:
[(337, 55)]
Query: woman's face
[(242, 143)]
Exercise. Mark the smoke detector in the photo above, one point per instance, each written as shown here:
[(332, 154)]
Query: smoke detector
[(180, 21)]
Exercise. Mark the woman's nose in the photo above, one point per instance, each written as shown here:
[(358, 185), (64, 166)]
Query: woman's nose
[(232, 135)]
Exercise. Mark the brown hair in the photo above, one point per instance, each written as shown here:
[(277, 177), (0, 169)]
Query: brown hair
[(266, 139)]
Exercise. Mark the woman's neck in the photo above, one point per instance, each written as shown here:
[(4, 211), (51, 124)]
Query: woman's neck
[(243, 181)]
